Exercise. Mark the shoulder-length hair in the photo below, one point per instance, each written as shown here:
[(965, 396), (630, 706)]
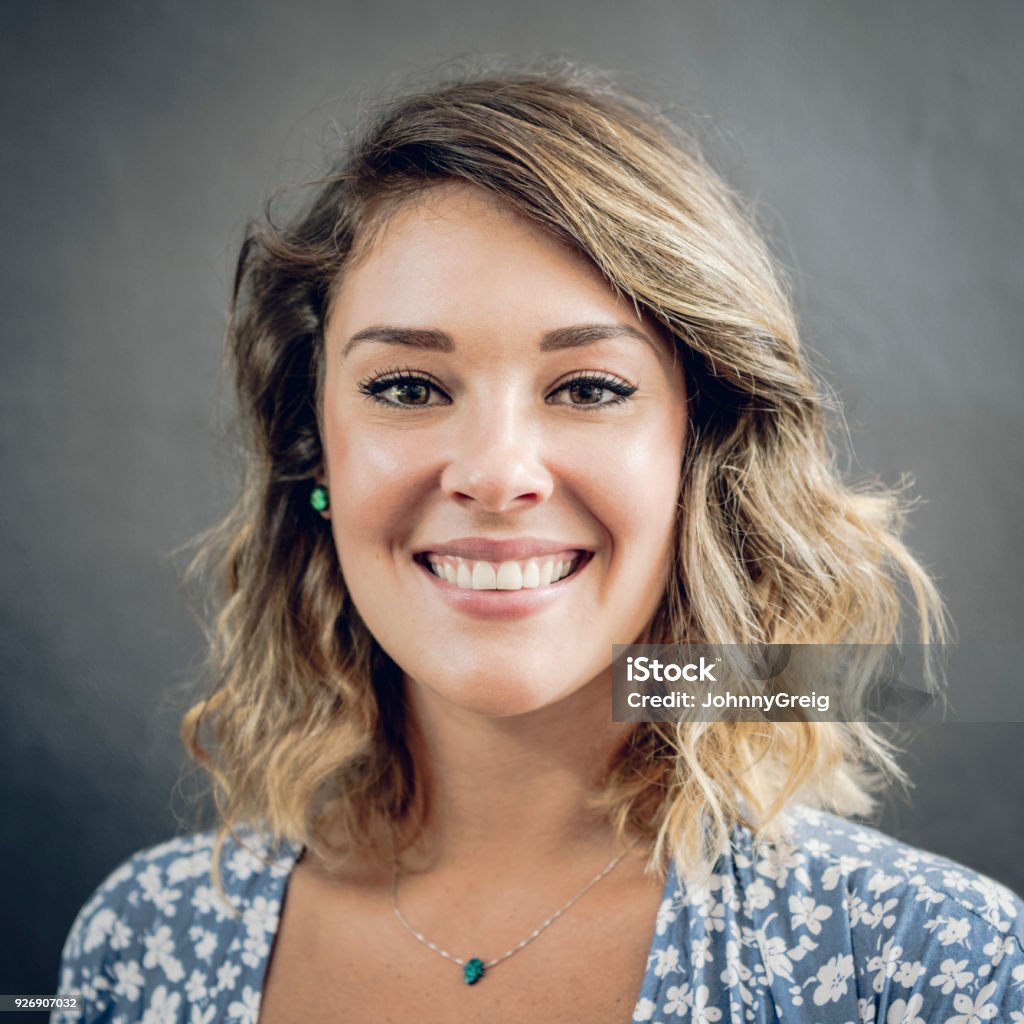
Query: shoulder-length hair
[(305, 731)]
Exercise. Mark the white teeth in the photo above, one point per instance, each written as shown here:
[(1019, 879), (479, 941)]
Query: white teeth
[(510, 576), (484, 576), (531, 574), (527, 574)]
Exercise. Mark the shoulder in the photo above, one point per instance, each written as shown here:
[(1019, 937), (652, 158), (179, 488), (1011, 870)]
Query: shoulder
[(879, 879), (835, 920), (159, 922), (910, 932)]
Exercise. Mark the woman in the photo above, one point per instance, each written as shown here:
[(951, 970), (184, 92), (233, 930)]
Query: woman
[(519, 384)]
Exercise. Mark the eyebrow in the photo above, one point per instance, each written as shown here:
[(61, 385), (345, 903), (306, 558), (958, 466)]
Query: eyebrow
[(438, 341)]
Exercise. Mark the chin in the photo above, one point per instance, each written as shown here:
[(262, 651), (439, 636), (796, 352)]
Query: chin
[(499, 695)]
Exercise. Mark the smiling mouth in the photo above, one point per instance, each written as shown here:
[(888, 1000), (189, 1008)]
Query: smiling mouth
[(522, 574)]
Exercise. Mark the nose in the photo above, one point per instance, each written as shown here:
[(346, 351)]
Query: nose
[(496, 462)]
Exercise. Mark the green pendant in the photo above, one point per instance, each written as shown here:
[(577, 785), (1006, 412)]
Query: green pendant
[(473, 970)]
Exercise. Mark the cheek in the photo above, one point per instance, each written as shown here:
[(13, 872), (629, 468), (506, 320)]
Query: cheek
[(642, 475), (375, 481)]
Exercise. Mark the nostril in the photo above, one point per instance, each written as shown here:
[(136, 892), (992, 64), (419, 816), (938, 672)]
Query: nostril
[(497, 484)]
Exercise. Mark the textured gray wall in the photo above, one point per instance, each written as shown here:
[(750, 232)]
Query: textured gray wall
[(882, 139)]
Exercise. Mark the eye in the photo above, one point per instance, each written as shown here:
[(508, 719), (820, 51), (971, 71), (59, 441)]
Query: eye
[(591, 390), (404, 389)]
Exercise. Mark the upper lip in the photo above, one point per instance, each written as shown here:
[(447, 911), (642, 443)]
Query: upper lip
[(486, 549)]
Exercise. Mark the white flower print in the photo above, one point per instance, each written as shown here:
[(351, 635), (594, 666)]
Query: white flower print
[(154, 890), (857, 910), (195, 866), (667, 913), (261, 917), (163, 1007), (714, 915), (227, 975), (680, 999), (881, 913), (885, 964), (254, 951), (842, 868), (160, 949), (666, 960), (905, 1011), (909, 973), (867, 841), (926, 894), (206, 900), (128, 979), (775, 951), (204, 942), (243, 864), (778, 862), (974, 1011), (757, 897), (833, 979), (120, 935), (247, 1009), (700, 952), (952, 974), (735, 969), (644, 1010), (817, 848), (998, 947), (881, 882), (701, 1010), (195, 987), (999, 901), (866, 1011), (951, 929), (765, 935), (806, 913), (99, 930), (955, 880)]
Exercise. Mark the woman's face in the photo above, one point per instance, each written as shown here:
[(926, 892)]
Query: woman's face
[(503, 438)]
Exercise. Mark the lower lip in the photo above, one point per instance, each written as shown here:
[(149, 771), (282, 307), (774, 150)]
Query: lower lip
[(501, 604)]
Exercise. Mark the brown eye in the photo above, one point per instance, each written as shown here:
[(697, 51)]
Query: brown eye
[(404, 390), (585, 393), (412, 393), (592, 391)]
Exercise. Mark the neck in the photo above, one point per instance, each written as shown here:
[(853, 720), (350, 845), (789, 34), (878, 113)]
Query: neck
[(512, 792)]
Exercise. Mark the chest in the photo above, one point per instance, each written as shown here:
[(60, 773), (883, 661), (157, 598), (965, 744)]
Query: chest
[(353, 961)]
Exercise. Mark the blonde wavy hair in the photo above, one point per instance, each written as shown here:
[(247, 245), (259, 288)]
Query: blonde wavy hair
[(305, 732)]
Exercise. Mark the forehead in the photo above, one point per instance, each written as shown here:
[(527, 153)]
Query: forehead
[(457, 253)]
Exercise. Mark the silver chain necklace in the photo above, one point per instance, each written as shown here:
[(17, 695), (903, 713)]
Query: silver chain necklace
[(473, 968)]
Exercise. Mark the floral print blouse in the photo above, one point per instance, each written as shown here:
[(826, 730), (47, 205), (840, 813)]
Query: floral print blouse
[(836, 923)]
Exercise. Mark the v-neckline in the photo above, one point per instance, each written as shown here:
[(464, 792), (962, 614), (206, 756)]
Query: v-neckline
[(284, 869)]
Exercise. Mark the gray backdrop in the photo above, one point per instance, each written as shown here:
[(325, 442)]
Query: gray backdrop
[(882, 140)]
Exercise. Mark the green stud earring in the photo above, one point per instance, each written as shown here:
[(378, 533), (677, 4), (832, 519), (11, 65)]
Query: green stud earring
[(319, 498)]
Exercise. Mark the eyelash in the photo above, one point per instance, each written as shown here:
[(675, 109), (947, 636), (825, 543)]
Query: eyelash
[(374, 387)]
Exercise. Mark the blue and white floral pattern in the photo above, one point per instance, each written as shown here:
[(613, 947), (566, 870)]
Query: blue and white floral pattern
[(836, 923)]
